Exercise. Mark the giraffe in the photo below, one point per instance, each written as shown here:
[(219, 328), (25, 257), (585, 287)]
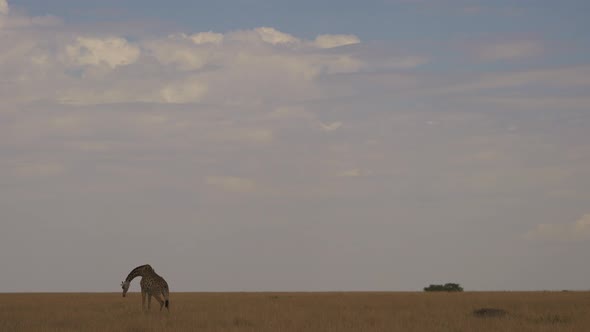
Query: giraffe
[(151, 285)]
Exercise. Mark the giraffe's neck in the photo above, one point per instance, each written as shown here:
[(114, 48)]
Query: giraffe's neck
[(134, 274)]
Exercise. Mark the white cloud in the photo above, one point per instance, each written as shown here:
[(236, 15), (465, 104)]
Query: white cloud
[(4, 9), (111, 51), (207, 38), (182, 52), (232, 183), (330, 127), (188, 91), (262, 65), (273, 36), (331, 41), (509, 50), (10, 20), (184, 58), (342, 64), (577, 231), (262, 35), (235, 68)]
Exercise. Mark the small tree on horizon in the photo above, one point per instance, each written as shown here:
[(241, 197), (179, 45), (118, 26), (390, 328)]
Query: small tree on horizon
[(448, 287)]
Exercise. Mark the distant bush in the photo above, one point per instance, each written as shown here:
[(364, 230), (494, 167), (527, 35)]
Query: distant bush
[(448, 287)]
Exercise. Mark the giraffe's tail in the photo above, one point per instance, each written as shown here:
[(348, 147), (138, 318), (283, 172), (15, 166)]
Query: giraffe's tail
[(166, 298)]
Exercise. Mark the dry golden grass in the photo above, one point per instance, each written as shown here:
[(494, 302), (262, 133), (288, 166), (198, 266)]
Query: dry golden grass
[(382, 311)]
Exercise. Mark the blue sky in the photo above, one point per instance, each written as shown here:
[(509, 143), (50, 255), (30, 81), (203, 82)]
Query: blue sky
[(274, 145), (375, 19)]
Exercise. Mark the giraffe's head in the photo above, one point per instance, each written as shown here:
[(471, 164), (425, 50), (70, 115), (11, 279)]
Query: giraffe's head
[(125, 286)]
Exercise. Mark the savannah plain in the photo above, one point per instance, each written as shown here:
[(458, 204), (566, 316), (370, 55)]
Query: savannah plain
[(346, 311)]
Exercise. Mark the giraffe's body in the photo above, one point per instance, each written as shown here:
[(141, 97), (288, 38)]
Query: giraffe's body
[(151, 285)]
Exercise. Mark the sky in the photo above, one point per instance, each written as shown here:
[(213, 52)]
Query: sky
[(258, 145)]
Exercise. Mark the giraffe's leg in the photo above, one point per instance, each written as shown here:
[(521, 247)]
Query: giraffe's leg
[(149, 301), (159, 299), (142, 300)]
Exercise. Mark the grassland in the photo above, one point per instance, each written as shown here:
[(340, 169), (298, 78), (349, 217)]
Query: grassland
[(528, 311)]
